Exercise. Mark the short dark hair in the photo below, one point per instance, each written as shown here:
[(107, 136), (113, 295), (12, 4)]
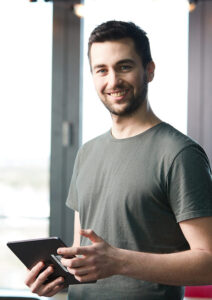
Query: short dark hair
[(115, 30)]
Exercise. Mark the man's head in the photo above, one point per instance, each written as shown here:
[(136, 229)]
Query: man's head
[(116, 30), (121, 66)]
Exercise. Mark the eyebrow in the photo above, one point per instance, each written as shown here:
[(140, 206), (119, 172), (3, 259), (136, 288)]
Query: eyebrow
[(120, 62), (126, 61), (99, 66)]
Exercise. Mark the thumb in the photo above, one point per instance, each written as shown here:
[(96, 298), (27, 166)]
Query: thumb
[(93, 237)]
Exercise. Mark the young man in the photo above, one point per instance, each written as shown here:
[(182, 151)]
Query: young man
[(144, 189)]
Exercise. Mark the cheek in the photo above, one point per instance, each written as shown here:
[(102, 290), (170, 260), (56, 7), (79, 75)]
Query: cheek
[(99, 84), (139, 80), (134, 79)]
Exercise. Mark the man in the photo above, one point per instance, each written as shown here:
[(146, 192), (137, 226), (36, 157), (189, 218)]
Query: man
[(144, 189)]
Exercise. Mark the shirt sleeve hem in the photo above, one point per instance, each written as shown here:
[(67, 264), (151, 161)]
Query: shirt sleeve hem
[(72, 206), (194, 214)]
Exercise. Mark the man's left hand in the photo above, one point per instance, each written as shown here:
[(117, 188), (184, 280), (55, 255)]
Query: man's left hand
[(97, 261)]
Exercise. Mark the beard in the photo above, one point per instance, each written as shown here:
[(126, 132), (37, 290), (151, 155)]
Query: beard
[(133, 104)]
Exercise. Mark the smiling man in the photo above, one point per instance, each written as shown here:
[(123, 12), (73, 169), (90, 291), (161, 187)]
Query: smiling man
[(121, 83), (142, 192)]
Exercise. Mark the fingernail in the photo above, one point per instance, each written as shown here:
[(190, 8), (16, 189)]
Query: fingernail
[(50, 268), (61, 280)]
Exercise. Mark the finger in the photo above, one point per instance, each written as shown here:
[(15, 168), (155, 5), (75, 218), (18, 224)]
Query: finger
[(73, 263), (35, 287), (86, 278), (45, 274), (55, 290), (33, 273), (74, 251), (67, 251), (52, 286), (91, 235), (82, 271)]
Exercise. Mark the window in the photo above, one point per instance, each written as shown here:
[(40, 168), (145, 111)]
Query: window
[(166, 23), (25, 100)]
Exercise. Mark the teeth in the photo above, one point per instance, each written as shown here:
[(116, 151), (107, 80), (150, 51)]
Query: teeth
[(118, 94)]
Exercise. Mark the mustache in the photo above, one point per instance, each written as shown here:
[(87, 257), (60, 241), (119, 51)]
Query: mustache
[(117, 88)]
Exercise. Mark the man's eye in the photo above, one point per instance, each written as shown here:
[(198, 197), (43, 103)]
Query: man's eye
[(101, 71), (125, 68)]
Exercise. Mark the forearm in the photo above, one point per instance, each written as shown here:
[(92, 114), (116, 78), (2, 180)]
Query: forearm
[(101, 260), (192, 267)]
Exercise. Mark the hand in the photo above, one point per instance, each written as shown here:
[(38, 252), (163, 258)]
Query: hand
[(36, 282), (97, 261)]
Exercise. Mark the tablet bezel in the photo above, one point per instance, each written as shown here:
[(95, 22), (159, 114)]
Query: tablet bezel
[(31, 251)]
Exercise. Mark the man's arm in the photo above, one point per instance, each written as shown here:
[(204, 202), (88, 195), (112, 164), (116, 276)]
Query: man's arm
[(77, 228), (191, 267)]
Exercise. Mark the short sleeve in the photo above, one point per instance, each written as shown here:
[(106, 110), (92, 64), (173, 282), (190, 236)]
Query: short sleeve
[(72, 199), (189, 184)]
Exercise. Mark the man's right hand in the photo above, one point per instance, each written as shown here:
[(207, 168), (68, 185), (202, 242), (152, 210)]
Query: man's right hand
[(35, 281)]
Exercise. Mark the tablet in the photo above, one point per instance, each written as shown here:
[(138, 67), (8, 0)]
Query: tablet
[(30, 252)]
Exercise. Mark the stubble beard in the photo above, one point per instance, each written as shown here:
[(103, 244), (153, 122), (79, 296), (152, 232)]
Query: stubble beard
[(133, 104)]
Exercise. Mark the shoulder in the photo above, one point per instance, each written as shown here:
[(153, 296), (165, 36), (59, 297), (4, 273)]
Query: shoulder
[(173, 141), (173, 137), (172, 145)]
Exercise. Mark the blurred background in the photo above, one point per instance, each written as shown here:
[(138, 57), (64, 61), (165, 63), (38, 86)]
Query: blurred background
[(49, 106)]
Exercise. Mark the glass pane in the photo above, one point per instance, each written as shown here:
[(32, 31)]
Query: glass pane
[(169, 44), (12, 270), (25, 114)]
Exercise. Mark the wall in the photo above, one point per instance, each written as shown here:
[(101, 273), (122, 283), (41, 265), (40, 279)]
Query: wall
[(200, 76)]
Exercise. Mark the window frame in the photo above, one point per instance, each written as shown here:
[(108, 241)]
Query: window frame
[(66, 132)]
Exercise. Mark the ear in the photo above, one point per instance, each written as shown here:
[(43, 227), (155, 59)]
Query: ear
[(150, 71)]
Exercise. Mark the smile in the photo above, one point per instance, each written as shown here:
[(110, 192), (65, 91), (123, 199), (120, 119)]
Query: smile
[(119, 93)]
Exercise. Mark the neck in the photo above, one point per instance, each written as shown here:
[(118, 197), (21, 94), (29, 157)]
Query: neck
[(140, 121)]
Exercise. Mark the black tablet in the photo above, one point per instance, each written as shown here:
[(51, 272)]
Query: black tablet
[(30, 252)]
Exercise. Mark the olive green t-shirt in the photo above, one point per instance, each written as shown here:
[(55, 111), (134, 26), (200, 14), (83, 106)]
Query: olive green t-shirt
[(133, 192)]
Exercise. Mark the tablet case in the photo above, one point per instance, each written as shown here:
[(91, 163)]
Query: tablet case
[(30, 252)]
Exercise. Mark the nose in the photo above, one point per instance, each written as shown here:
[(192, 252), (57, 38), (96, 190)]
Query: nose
[(114, 80)]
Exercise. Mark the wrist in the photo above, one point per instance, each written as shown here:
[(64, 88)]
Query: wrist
[(120, 261)]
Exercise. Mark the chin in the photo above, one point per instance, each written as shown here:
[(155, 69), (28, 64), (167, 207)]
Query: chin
[(119, 111)]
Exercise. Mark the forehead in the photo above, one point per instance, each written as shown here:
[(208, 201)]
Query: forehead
[(110, 52)]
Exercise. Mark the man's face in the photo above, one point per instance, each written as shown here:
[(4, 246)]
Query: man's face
[(119, 77)]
